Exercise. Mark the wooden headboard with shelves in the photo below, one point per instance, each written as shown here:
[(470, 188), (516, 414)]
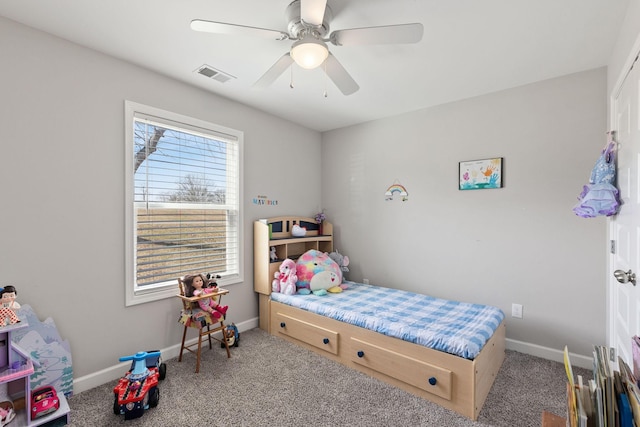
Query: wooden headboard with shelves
[(276, 232)]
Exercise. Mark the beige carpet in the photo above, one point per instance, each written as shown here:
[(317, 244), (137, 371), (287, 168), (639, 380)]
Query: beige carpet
[(270, 382)]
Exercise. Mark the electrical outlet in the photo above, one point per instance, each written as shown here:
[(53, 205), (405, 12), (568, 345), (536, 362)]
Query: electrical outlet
[(516, 311), (365, 281)]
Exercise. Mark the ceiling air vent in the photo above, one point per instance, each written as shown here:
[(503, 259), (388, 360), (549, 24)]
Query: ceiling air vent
[(214, 74)]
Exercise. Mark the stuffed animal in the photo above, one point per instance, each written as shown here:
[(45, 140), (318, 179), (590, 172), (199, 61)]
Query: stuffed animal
[(212, 280), (285, 278), (315, 263), (341, 260), (297, 231), (325, 281), (232, 336), (272, 254)]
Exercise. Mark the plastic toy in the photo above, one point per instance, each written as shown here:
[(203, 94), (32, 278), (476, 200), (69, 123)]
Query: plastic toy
[(138, 389), (232, 335), (44, 400)]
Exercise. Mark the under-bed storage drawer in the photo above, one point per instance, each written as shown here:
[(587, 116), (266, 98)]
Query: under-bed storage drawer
[(424, 376), (309, 333)]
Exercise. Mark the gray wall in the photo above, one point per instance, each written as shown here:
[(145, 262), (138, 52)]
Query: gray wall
[(519, 244), (62, 180), (626, 47)]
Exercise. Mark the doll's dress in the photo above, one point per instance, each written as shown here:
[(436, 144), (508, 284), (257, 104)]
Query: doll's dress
[(8, 315), (600, 197)]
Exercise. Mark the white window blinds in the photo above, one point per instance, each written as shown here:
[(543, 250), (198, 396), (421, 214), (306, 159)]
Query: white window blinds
[(186, 185)]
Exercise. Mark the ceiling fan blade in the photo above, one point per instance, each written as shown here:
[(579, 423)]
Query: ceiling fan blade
[(312, 11), (340, 76), (274, 72), (402, 33), (233, 29)]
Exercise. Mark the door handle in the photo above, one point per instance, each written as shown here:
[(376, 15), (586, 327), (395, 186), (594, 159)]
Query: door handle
[(625, 276)]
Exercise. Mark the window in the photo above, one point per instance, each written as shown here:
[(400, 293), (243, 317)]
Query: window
[(183, 201)]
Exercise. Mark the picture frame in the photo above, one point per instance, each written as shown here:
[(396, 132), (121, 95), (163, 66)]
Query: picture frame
[(480, 174)]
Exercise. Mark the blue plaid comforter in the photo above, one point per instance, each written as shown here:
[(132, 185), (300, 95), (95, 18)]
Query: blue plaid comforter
[(454, 327)]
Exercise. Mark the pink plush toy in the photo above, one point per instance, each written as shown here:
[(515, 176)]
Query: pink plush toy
[(285, 278)]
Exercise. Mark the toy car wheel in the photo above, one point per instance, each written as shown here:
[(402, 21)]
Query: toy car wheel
[(154, 397), (162, 371), (116, 407)]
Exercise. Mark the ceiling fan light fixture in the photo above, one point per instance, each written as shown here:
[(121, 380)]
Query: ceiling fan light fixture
[(309, 52)]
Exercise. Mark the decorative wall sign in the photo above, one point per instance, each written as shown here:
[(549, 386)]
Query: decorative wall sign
[(480, 174), (396, 188), (264, 200)]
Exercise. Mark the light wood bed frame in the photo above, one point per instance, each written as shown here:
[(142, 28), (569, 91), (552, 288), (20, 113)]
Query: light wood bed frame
[(451, 381)]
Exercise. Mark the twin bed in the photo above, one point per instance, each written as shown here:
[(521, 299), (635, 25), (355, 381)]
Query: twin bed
[(447, 352)]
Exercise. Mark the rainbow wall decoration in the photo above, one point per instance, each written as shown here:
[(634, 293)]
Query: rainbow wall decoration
[(398, 189)]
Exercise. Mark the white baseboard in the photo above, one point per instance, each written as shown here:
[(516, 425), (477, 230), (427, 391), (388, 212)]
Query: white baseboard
[(549, 353), (113, 373)]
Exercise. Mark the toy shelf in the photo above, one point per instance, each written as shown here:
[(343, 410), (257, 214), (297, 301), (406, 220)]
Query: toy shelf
[(10, 355)]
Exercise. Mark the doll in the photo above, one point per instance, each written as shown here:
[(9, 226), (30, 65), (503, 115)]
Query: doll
[(196, 287), (8, 297), (7, 413), (8, 305)]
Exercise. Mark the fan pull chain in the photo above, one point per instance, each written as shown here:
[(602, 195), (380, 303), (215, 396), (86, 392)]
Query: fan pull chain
[(291, 78), (325, 78)]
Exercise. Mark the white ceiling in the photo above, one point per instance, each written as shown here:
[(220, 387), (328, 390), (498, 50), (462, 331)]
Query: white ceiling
[(469, 48)]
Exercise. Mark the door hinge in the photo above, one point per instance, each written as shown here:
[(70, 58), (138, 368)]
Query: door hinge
[(612, 354), (613, 247)]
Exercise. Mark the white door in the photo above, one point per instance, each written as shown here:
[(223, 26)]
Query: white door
[(624, 315)]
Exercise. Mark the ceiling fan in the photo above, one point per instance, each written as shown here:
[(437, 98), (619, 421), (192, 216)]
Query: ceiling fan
[(308, 28)]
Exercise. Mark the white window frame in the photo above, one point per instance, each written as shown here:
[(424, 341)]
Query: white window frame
[(133, 293)]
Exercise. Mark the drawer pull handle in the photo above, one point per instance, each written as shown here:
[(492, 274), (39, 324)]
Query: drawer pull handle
[(433, 381), (325, 340), (360, 353), (282, 324)]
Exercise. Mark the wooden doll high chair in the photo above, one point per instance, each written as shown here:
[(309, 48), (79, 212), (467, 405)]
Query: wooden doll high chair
[(206, 325)]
